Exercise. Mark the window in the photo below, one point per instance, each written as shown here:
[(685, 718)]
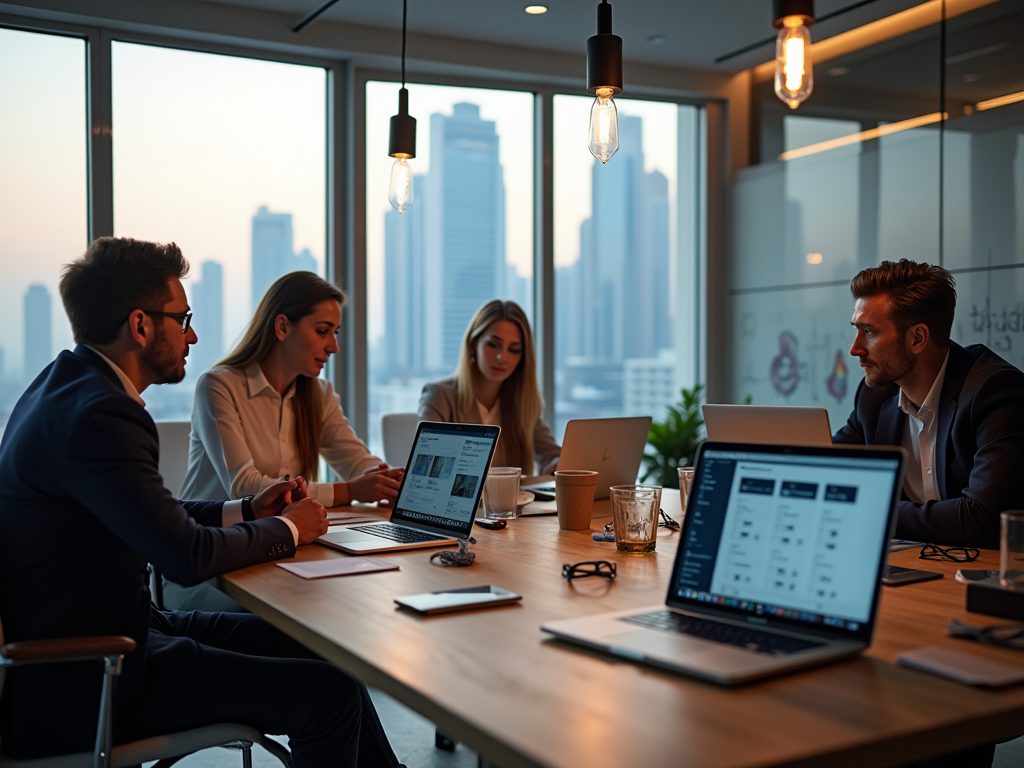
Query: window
[(467, 238), (226, 156), (626, 278), (43, 198)]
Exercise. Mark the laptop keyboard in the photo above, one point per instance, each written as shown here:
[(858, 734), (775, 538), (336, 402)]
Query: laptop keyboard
[(397, 533), (729, 634)]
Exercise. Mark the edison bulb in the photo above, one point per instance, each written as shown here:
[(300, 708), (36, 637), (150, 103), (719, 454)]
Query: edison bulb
[(794, 79), (604, 126), (400, 191)]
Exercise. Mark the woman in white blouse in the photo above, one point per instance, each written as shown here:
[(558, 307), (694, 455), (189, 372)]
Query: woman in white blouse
[(263, 414)]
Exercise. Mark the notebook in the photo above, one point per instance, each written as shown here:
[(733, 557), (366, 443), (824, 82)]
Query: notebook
[(778, 566), (612, 447), (789, 424), (438, 496)]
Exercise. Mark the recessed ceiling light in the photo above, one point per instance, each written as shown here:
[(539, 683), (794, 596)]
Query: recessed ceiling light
[(814, 258), (656, 39), (536, 10)]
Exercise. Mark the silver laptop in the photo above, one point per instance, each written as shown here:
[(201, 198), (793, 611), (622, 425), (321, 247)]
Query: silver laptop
[(612, 447), (440, 490), (768, 424), (778, 567)]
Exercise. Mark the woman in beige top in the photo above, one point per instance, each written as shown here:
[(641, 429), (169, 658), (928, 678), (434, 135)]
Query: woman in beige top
[(496, 383), (263, 414)]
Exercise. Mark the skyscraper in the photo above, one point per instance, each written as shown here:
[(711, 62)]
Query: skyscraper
[(208, 309), (272, 254), (464, 228), (38, 331), (304, 261)]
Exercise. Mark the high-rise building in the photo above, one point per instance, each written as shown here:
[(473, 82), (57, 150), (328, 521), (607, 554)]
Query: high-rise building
[(272, 254), (208, 320), (463, 229), (305, 261), (38, 331)]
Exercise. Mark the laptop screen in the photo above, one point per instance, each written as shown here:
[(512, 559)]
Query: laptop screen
[(444, 478), (792, 535)]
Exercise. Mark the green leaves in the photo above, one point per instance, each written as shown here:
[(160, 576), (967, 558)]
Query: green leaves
[(675, 440)]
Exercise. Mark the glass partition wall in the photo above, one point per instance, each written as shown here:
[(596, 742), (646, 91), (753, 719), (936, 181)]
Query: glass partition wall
[(43, 198), (911, 148)]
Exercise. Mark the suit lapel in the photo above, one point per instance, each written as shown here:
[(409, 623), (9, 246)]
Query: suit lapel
[(890, 421), (97, 362), (956, 374)]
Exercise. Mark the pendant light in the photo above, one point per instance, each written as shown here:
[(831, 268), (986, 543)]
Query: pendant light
[(604, 80), (794, 79), (402, 145)]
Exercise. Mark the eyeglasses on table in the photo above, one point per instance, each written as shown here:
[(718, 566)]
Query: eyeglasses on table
[(602, 568)]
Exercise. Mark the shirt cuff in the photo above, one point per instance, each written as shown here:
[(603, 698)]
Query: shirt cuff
[(231, 513), (294, 529), (323, 492)]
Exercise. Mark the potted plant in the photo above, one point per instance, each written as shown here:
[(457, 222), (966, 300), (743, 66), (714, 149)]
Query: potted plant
[(674, 441)]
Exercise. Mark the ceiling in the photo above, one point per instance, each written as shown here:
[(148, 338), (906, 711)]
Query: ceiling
[(676, 33)]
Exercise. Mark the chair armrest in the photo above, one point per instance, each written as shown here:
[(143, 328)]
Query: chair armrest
[(67, 649)]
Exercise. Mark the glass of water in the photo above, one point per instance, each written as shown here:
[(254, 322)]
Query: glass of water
[(635, 512), (501, 493), (1011, 549)]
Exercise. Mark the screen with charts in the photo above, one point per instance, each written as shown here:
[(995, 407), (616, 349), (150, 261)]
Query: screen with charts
[(798, 537), (444, 478)]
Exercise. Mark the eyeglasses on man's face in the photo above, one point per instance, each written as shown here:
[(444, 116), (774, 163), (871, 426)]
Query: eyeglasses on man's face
[(184, 318)]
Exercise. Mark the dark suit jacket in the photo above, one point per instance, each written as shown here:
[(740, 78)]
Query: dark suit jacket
[(979, 447), (82, 510)]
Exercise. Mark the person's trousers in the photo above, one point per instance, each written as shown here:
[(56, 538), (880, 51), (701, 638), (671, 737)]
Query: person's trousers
[(205, 668)]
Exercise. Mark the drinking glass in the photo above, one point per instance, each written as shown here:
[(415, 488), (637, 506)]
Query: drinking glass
[(1011, 549), (635, 512), (685, 483), (501, 493)]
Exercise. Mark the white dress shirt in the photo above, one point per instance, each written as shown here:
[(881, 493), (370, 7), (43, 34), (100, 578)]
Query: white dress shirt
[(921, 482), (243, 437), (231, 512)]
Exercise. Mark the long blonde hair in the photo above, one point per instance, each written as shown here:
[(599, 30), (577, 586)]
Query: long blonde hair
[(521, 404), (295, 296)]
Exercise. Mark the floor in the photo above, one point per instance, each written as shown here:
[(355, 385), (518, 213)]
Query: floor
[(413, 740)]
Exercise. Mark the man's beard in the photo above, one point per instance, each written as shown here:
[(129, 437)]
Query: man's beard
[(164, 365), (886, 373)]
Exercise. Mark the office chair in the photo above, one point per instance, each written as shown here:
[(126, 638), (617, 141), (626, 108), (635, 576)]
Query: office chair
[(166, 749), (398, 430), (174, 442)]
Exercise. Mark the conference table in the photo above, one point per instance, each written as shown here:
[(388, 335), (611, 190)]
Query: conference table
[(492, 680)]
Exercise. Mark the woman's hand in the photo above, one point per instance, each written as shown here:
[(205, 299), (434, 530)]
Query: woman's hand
[(380, 485)]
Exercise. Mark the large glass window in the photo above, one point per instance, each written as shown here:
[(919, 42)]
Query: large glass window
[(625, 261), (226, 156), (467, 238), (43, 198)]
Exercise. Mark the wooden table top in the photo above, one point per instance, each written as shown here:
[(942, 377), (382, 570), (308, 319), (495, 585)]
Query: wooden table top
[(491, 679)]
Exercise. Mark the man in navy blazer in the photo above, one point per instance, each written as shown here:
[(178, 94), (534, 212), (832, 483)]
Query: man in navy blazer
[(958, 411), (83, 509)]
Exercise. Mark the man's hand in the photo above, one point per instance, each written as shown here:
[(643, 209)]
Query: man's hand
[(271, 501), (309, 517), (380, 485)]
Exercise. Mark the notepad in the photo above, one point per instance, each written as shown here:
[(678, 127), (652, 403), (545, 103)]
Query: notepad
[(341, 566)]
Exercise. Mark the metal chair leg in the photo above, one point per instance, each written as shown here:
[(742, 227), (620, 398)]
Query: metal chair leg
[(104, 737), (443, 742), (247, 755)]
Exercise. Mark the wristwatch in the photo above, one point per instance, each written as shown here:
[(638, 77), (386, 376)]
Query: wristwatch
[(247, 515)]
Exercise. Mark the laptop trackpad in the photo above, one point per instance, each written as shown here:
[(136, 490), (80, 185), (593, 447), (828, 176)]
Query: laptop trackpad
[(347, 536), (664, 644)]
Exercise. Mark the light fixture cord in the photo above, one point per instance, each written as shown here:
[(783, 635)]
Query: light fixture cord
[(405, 10)]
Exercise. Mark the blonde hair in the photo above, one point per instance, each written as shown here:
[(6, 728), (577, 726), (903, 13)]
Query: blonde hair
[(521, 404), (295, 296)]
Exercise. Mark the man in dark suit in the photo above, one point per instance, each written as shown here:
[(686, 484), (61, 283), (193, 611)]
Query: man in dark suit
[(83, 509), (958, 412)]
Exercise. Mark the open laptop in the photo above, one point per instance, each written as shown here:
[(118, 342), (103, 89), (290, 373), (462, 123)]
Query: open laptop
[(778, 567), (768, 424), (440, 490), (612, 447)]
